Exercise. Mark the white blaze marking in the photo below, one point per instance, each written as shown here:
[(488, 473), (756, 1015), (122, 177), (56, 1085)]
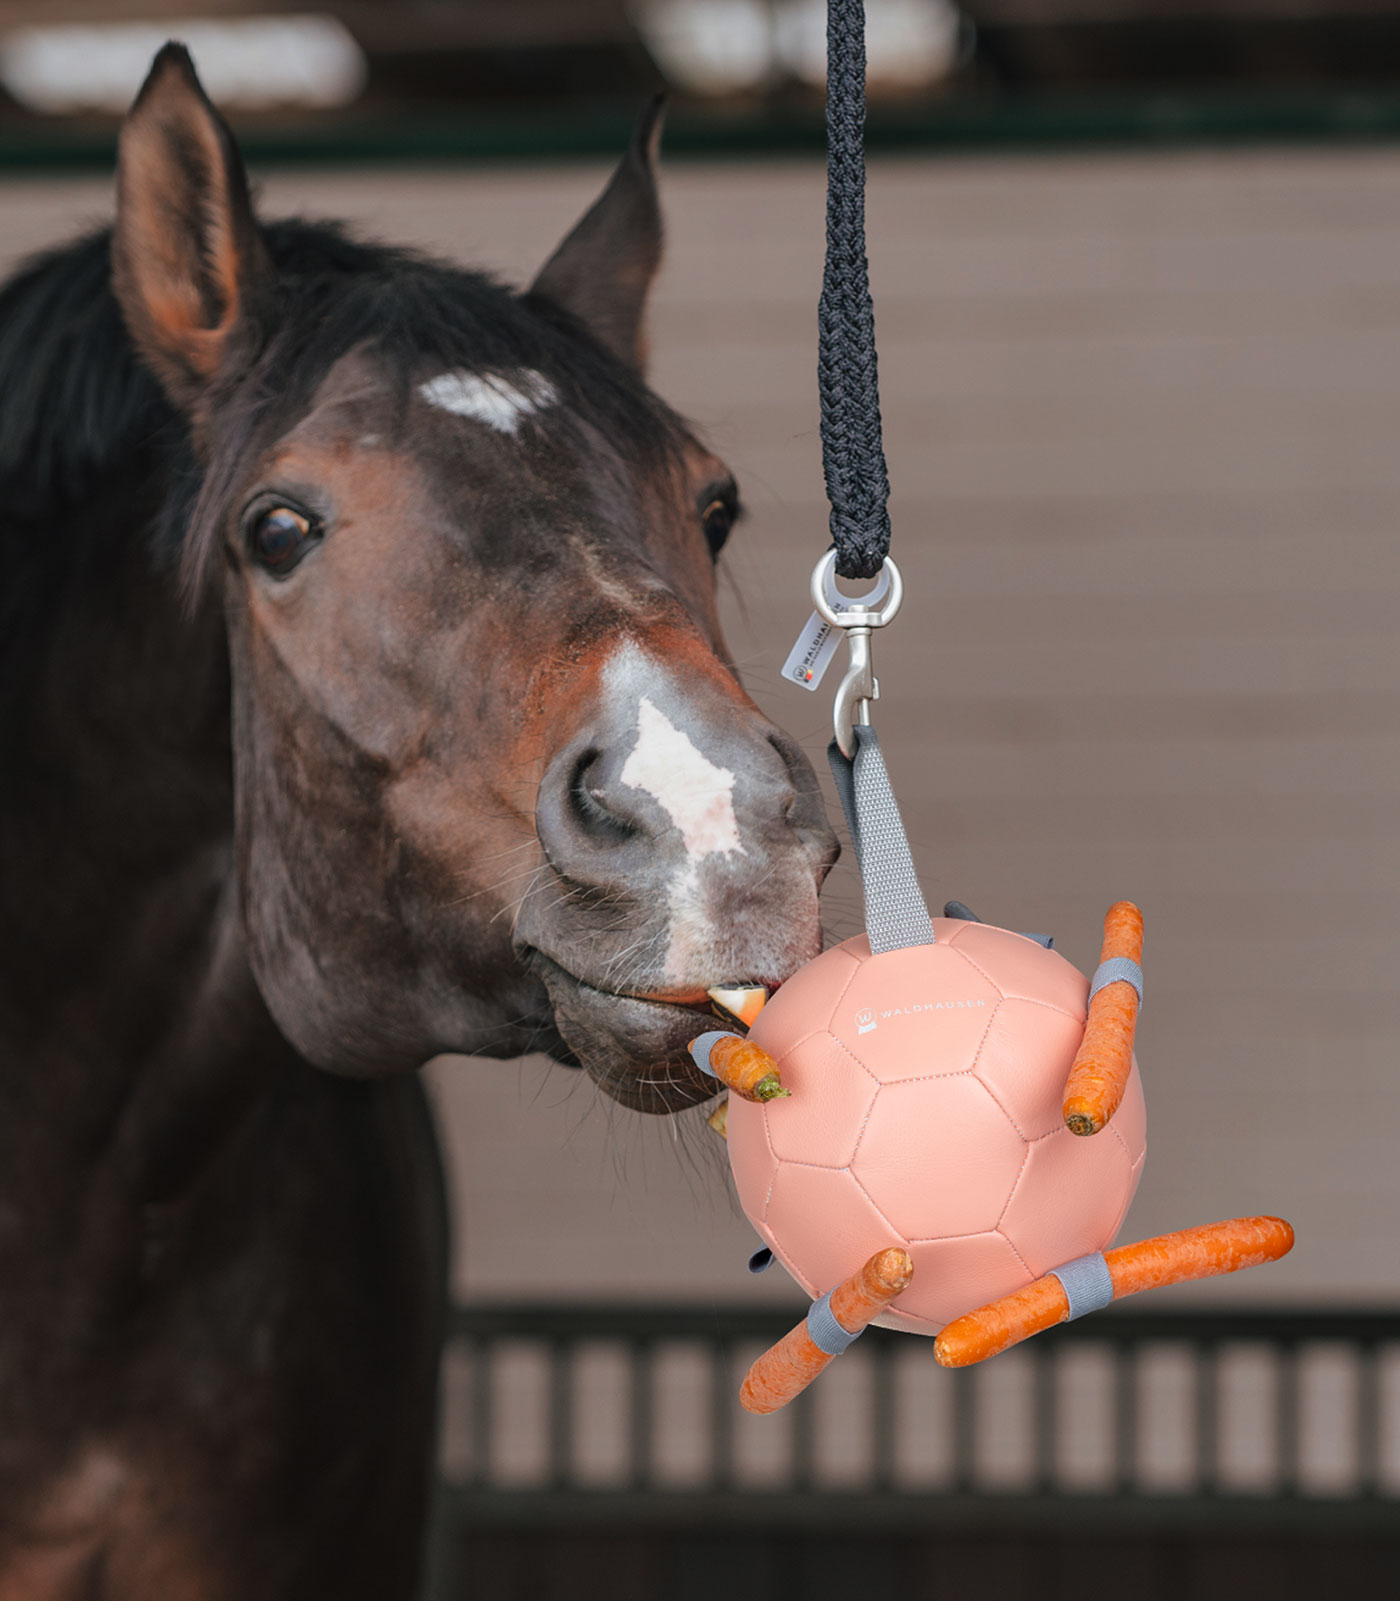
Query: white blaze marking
[(694, 793), (490, 397), (698, 797)]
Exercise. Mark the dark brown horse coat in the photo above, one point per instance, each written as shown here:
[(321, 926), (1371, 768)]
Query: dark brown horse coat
[(362, 698)]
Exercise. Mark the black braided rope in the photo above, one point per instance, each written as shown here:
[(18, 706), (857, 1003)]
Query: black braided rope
[(853, 451)]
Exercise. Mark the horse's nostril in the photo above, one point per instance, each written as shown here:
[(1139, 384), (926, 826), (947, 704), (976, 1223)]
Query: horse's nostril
[(588, 798)]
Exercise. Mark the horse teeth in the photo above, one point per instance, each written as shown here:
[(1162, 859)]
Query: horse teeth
[(743, 1002)]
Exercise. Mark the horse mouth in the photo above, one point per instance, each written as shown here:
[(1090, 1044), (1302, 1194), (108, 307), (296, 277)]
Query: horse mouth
[(634, 1046)]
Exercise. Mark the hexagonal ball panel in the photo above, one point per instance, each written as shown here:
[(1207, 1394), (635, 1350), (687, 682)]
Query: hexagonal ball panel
[(1018, 966), (1025, 1062), (913, 1012), (1071, 1198), (939, 1156), (822, 1120), (821, 1222)]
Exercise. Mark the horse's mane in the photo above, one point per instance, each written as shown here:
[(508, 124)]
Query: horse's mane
[(74, 401), (80, 417)]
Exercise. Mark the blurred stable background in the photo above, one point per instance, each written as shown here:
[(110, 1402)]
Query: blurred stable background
[(1137, 272)]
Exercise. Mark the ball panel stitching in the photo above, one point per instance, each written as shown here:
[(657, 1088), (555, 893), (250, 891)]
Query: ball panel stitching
[(938, 1239), (1030, 1277), (982, 1043), (855, 1179), (804, 1282), (841, 1044), (1049, 1006), (1010, 1194), (850, 979), (1025, 1138), (798, 1044), (977, 966)]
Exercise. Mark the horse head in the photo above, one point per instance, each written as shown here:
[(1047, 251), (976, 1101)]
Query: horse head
[(497, 786)]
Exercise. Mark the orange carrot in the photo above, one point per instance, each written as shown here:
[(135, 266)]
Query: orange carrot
[(719, 1118), (994, 1327), (1199, 1253), (787, 1368), (746, 1068), (1105, 1057), (740, 1001)]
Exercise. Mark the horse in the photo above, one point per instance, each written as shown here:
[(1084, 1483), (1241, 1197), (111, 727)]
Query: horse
[(364, 699)]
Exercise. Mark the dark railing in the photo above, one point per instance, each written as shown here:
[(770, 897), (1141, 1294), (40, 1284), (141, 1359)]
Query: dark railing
[(630, 1413)]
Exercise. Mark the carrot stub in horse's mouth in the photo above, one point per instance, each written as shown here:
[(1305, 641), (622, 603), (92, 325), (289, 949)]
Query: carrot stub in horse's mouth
[(1199, 1253), (740, 1001), (1105, 1056), (787, 1368)]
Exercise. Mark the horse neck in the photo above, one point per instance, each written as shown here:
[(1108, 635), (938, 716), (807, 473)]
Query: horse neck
[(116, 873)]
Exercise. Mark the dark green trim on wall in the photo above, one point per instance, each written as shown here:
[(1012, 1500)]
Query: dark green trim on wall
[(957, 125)]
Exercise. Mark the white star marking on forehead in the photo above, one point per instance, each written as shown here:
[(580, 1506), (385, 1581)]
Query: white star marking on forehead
[(490, 397)]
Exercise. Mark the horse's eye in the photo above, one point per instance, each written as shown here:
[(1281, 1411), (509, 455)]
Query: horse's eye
[(280, 537), (717, 519)]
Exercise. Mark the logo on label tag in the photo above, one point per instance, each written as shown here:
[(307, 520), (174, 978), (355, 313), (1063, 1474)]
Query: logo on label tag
[(810, 657)]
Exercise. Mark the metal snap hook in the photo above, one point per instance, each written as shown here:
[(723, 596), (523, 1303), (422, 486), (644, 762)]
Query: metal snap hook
[(856, 616)]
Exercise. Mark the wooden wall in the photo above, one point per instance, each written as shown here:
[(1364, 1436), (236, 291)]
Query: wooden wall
[(1144, 436)]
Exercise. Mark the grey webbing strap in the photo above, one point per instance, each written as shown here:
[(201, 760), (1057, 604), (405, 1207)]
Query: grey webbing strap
[(1115, 970), (826, 1333), (895, 913), (1088, 1284)]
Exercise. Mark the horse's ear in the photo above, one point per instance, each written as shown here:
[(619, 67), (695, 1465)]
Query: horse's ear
[(604, 268), (189, 266)]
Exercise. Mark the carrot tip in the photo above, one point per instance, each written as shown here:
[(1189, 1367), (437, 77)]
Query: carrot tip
[(770, 1089), (1081, 1123)]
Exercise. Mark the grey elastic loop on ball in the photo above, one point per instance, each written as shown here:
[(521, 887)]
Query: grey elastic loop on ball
[(1117, 969), (827, 1334), (700, 1049), (761, 1260), (1045, 941), (1088, 1284), (895, 913)]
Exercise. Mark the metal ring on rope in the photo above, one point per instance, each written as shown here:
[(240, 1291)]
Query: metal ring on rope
[(873, 609)]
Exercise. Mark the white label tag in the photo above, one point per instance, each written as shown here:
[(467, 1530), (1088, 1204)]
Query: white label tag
[(810, 657)]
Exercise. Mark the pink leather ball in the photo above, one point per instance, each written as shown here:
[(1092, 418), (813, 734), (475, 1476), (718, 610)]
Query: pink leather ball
[(925, 1111)]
